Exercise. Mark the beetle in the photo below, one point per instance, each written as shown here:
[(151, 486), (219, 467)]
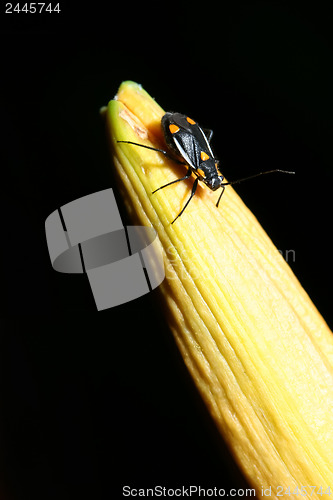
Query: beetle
[(189, 144)]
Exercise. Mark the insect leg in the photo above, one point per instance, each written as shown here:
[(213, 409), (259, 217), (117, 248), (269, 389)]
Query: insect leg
[(208, 133), (154, 149), (218, 201), (177, 180), (194, 187)]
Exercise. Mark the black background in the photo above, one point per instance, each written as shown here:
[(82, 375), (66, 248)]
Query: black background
[(93, 401)]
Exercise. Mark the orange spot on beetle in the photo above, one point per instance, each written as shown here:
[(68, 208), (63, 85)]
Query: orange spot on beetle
[(192, 122), (173, 128), (204, 156)]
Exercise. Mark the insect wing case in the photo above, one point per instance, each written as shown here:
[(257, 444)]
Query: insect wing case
[(187, 139)]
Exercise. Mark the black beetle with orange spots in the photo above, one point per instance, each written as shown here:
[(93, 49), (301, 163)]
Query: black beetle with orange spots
[(189, 144)]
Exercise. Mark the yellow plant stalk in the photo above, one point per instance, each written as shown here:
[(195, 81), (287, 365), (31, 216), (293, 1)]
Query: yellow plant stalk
[(258, 350)]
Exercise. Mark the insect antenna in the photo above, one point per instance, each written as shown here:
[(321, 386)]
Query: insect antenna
[(257, 175), (250, 177)]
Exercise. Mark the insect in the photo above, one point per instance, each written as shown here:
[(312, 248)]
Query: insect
[(189, 144)]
